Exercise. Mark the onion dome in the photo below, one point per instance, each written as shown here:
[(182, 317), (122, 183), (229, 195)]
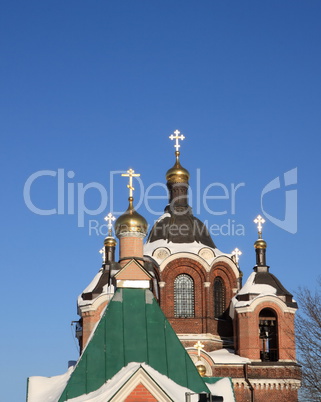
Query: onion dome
[(110, 241), (260, 243), (177, 174), (131, 222)]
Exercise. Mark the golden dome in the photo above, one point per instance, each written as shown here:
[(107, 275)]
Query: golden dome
[(131, 221), (260, 243), (201, 370), (110, 241), (177, 174)]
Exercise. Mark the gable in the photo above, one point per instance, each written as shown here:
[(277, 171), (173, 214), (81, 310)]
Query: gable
[(133, 328), (132, 271), (140, 387)]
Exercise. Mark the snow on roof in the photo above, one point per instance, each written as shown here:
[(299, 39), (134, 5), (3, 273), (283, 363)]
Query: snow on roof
[(250, 287), (49, 389), (174, 248), (227, 356), (222, 387)]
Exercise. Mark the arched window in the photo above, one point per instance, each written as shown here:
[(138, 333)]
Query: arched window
[(184, 296), (268, 329), (219, 297)]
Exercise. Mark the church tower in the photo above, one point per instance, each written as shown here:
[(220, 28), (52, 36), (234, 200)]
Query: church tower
[(196, 280), (246, 333)]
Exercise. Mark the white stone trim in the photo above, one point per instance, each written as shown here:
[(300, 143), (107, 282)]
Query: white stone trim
[(229, 261), (266, 383), (94, 304), (199, 337), (132, 283), (253, 304), (140, 377), (161, 284), (207, 284)]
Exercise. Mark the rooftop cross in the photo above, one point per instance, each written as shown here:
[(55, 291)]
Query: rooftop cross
[(109, 218), (198, 346), (237, 254), (103, 254), (259, 221), (130, 173), (177, 137)]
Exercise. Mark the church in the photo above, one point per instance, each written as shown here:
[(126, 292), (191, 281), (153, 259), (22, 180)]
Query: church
[(171, 320)]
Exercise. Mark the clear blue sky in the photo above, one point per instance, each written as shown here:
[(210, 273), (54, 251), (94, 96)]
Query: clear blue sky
[(98, 86)]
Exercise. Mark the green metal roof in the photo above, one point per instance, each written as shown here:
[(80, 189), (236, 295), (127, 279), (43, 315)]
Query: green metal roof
[(133, 328)]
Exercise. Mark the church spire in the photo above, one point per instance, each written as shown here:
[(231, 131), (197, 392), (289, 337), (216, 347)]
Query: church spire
[(131, 227), (260, 245), (177, 177)]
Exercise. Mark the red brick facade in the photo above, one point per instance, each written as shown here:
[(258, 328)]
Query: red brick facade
[(260, 381)]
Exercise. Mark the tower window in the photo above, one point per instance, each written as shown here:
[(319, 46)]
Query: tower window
[(184, 296), (219, 297), (268, 330)]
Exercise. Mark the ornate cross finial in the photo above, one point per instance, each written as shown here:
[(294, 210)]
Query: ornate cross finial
[(130, 173), (177, 137), (237, 254), (198, 346), (259, 221), (109, 218), (103, 254)]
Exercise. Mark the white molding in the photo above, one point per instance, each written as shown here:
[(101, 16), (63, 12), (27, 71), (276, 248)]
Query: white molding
[(265, 383), (200, 337), (229, 262), (253, 304), (140, 377), (94, 304)]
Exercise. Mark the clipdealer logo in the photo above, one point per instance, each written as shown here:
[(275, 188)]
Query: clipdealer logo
[(72, 198)]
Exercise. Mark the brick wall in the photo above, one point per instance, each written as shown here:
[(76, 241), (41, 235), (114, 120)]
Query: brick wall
[(203, 320), (140, 394)]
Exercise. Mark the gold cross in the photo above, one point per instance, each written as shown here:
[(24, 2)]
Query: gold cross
[(130, 173), (259, 221), (237, 254), (198, 346), (109, 218), (177, 137)]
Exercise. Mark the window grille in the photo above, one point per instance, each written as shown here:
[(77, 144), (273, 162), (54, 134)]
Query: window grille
[(184, 296), (219, 297)]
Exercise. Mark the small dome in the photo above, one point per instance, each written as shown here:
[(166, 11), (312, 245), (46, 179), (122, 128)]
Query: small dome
[(110, 241), (260, 243), (201, 370), (131, 222), (177, 174)]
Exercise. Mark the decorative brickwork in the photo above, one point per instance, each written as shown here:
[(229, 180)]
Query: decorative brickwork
[(140, 394)]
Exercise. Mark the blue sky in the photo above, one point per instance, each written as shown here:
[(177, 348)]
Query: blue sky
[(97, 87)]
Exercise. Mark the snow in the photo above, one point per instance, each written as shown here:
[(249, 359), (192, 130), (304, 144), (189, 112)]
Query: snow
[(227, 356), (223, 388), (174, 248), (49, 389), (250, 287)]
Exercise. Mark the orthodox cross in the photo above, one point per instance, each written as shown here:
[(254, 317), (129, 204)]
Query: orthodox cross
[(130, 173), (109, 218), (198, 346), (259, 221), (177, 137), (103, 254), (237, 254)]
